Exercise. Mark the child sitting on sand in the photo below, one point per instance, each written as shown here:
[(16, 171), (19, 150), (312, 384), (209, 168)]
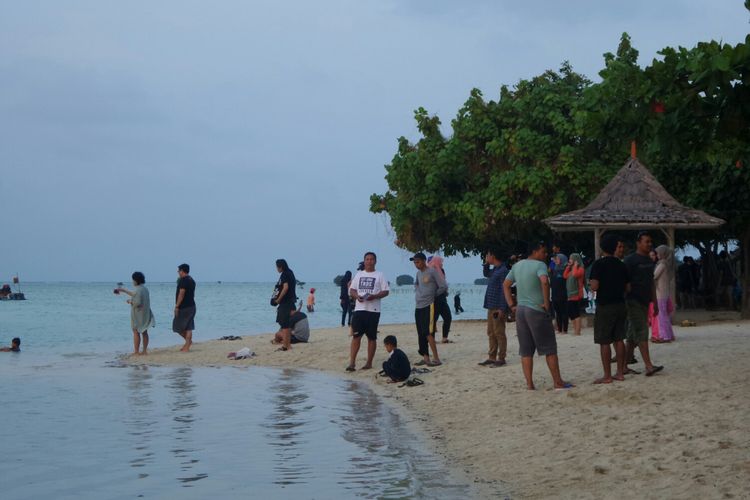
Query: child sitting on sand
[(15, 346), (397, 366)]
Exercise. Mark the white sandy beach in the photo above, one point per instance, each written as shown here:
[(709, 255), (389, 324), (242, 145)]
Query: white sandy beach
[(684, 433)]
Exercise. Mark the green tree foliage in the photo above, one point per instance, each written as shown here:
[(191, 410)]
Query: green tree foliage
[(550, 143)]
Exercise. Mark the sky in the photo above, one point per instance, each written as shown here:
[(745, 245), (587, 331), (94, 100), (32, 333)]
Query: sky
[(139, 135)]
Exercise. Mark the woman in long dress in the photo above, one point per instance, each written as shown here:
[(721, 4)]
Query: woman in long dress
[(141, 316), (663, 274)]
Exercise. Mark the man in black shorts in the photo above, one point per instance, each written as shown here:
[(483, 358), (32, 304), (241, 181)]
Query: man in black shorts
[(367, 288), (610, 280)]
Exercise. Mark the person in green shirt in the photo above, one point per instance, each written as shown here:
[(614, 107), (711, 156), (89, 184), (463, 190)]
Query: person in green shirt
[(532, 311)]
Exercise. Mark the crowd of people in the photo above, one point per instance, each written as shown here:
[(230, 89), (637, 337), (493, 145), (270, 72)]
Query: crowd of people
[(545, 295)]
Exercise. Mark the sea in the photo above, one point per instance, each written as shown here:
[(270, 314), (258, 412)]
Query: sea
[(79, 422)]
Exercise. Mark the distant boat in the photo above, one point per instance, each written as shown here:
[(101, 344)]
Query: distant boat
[(120, 283), (405, 279), (481, 281), (6, 293)]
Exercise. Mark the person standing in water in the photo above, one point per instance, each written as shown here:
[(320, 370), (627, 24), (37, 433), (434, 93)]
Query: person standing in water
[(141, 316), (311, 301), (345, 299), (183, 323)]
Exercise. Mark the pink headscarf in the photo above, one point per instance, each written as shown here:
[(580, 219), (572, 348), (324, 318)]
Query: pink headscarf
[(436, 262)]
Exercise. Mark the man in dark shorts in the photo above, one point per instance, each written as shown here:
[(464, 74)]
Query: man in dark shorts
[(285, 297), (429, 284), (367, 288), (610, 280), (642, 293), (533, 320), (184, 307)]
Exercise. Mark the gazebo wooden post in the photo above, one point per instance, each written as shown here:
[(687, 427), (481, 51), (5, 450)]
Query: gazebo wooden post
[(597, 241), (669, 233)]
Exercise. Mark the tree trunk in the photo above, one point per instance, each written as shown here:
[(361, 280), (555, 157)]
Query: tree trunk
[(745, 273)]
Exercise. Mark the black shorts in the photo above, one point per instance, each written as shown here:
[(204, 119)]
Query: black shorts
[(574, 309), (283, 314), (610, 323), (366, 323)]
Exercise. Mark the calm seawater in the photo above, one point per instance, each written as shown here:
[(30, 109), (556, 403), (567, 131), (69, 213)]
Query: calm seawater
[(79, 424)]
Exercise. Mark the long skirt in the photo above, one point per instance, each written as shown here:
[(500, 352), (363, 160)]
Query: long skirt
[(666, 308)]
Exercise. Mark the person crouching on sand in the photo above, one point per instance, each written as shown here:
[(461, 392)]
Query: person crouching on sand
[(141, 316), (397, 366)]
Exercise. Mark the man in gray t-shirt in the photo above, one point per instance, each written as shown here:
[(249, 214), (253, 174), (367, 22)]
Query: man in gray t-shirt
[(429, 284)]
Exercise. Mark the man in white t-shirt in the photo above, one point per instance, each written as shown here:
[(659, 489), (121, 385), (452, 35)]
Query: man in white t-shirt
[(367, 288)]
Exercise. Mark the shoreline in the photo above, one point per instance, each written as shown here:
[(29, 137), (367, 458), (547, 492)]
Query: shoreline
[(682, 433)]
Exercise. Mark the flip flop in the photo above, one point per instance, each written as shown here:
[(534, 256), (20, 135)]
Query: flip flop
[(497, 364), (412, 382), (421, 370), (630, 371), (434, 363), (447, 341), (654, 370), (486, 362), (565, 387), (420, 363), (350, 368)]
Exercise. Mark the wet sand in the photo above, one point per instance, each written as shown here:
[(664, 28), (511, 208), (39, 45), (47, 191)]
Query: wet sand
[(684, 432)]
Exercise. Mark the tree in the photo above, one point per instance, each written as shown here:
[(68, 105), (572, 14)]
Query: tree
[(549, 144)]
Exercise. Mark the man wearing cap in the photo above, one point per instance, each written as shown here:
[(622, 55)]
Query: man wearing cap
[(533, 320), (429, 284)]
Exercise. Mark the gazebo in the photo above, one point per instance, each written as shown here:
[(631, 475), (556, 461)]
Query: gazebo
[(633, 200)]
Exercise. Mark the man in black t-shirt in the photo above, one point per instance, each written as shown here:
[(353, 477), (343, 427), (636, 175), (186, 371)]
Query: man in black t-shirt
[(184, 307), (285, 297), (609, 279), (642, 293)]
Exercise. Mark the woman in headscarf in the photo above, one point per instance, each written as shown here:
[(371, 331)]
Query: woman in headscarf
[(663, 275), (442, 308), (560, 293), (574, 283)]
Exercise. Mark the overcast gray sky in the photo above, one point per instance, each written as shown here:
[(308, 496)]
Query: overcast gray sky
[(141, 134)]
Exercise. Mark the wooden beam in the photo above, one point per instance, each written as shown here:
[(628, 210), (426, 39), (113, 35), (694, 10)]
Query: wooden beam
[(597, 242)]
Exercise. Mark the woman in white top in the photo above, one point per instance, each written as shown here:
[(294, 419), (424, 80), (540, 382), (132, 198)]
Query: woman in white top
[(141, 317), (663, 275)]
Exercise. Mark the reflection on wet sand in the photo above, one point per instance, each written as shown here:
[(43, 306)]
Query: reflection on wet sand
[(140, 418), (286, 431), (182, 406), (390, 456)]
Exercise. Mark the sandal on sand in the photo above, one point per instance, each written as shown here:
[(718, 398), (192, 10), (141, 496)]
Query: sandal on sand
[(565, 387), (412, 382), (654, 370), (434, 363), (350, 368), (281, 348), (447, 341), (421, 370), (420, 363), (497, 364), (487, 362), (630, 371)]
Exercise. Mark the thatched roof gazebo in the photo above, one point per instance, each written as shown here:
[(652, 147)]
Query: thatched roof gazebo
[(633, 200)]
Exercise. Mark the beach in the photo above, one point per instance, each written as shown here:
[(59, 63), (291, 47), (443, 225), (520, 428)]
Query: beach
[(682, 433)]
